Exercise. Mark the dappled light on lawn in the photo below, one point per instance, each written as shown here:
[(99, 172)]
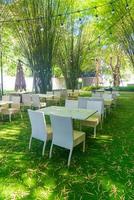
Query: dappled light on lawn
[(104, 171)]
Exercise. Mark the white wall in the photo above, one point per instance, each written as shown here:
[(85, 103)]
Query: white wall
[(58, 83), (9, 83)]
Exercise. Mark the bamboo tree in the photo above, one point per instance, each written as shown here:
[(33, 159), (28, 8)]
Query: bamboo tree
[(125, 27), (37, 37), (70, 55), (115, 70)]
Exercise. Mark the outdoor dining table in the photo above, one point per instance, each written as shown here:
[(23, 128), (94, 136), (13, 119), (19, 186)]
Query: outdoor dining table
[(2, 103), (78, 114)]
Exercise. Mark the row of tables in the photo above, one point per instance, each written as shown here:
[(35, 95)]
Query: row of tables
[(79, 114), (40, 95)]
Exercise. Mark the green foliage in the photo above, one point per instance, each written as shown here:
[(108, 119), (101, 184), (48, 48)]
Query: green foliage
[(72, 42), (90, 88), (126, 88), (57, 72)]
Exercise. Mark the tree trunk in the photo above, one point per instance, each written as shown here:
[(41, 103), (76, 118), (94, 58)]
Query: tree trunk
[(42, 80), (71, 80), (115, 71), (97, 72)]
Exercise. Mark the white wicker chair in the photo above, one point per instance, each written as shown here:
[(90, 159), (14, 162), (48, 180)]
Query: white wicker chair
[(39, 129), (36, 103), (64, 136), (27, 100), (15, 108), (94, 120), (5, 98), (103, 106)]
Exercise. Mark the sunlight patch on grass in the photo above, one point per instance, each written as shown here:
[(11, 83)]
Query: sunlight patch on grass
[(42, 193), (10, 133), (116, 189), (106, 137), (28, 180), (12, 191), (49, 183), (9, 138), (64, 172), (105, 171)]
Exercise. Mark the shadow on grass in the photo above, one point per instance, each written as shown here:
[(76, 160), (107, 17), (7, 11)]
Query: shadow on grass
[(104, 171)]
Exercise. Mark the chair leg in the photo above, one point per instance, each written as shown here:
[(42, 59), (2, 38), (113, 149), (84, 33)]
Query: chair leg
[(101, 124), (69, 158), (10, 117), (50, 153), (43, 150), (84, 146), (102, 117), (95, 132), (21, 115), (105, 114), (80, 128), (109, 110), (30, 141)]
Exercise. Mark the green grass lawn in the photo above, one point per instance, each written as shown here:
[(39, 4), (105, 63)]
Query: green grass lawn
[(104, 172)]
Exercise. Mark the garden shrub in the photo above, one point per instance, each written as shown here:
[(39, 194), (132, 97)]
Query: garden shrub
[(126, 88), (90, 88)]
